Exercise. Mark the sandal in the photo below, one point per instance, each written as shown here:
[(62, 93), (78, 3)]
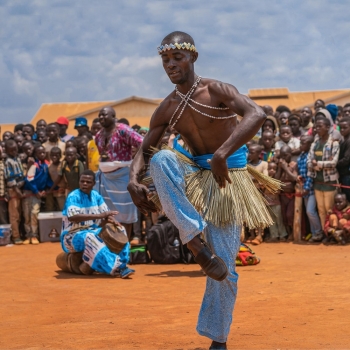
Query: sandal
[(17, 241), (212, 265)]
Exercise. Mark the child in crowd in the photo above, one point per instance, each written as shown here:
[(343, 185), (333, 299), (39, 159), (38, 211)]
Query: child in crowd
[(7, 135), (270, 124), (55, 200), (277, 230), (14, 179), (308, 190), (92, 156), (18, 129), (337, 224), (41, 125), (287, 139), (287, 173), (306, 116), (95, 127), (268, 142), (321, 162), (70, 171), (28, 131), (256, 236), (324, 113), (294, 121), (82, 150), (28, 160), (283, 118), (343, 165), (52, 131), (19, 139), (3, 192), (41, 136), (36, 182), (71, 143)]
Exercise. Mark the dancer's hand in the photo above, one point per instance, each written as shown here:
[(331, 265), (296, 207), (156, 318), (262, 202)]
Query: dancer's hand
[(220, 171), (139, 194)]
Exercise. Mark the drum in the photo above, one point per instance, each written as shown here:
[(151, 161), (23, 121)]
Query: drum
[(115, 237), (85, 269), (62, 261), (74, 261)]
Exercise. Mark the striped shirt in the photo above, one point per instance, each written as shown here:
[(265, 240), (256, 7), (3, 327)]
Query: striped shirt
[(302, 170), (14, 172)]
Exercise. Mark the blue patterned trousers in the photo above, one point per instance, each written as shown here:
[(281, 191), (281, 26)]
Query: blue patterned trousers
[(215, 315)]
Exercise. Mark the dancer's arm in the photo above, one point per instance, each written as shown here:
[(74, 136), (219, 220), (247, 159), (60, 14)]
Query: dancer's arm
[(253, 118), (139, 166)]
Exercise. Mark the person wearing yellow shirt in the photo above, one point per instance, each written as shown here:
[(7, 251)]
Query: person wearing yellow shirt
[(92, 152)]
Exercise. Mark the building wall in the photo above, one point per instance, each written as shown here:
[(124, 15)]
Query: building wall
[(6, 127)]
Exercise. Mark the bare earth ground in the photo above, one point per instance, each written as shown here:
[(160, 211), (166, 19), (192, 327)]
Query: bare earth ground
[(298, 297)]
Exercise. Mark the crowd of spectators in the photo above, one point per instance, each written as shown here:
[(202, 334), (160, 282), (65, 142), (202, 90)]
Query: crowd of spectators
[(308, 150), (39, 167)]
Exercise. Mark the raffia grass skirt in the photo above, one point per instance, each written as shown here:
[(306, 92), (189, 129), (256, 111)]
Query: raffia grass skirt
[(240, 202)]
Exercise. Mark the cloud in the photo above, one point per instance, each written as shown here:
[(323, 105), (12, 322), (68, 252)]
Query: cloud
[(63, 50)]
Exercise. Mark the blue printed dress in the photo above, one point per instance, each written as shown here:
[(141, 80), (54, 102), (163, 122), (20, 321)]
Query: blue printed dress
[(83, 236)]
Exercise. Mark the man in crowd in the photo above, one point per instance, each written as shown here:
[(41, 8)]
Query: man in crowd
[(346, 111), (81, 125), (210, 131), (63, 124), (85, 213), (306, 116), (114, 142), (52, 132), (41, 125), (28, 131)]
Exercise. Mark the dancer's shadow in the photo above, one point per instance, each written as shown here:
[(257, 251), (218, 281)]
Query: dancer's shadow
[(177, 273)]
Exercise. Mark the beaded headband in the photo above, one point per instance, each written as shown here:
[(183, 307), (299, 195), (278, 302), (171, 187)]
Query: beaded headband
[(180, 46)]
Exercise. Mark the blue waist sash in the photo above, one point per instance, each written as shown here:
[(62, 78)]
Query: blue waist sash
[(235, 160)]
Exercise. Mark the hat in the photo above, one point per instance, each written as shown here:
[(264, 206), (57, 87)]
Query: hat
[(62, 121), (144, 129), (80, 121), (333, 110)]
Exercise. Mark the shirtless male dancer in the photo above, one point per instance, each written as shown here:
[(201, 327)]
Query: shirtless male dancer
[(203, 111)]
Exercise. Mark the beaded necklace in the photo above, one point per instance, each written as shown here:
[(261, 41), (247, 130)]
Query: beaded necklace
[(185, 101)]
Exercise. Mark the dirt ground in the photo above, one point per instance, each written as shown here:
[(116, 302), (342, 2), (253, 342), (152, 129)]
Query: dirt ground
[(296, 298)]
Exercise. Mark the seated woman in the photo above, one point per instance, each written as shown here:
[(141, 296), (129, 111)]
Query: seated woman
[(84, 215)]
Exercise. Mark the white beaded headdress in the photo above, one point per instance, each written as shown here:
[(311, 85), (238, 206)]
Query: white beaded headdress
[(180, 46)]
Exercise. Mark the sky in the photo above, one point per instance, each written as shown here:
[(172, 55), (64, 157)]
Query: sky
[(69, 51)]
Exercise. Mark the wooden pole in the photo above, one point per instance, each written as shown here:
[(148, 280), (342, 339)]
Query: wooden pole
[(298, 206)]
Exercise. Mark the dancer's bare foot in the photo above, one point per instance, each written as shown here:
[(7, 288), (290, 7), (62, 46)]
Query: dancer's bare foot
[(212, 265), (217, 345)]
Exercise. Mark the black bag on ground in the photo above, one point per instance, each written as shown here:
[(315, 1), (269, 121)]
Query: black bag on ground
[(139, 254), (186, 255), (164, 244)]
